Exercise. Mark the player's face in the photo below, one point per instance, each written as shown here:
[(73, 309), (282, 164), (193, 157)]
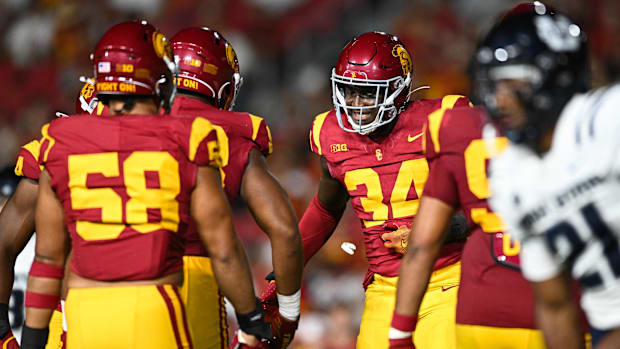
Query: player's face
[(361, 96), (512, 114)]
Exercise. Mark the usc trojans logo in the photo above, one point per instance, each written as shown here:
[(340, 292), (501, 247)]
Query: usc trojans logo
[(231, 57), (160, 44), (404, 57), (87, 90)]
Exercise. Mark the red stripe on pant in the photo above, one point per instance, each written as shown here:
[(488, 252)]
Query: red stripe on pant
[(187, 334), (171, 313)]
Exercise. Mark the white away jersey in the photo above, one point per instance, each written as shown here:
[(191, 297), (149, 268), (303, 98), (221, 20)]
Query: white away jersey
[(565, 205)]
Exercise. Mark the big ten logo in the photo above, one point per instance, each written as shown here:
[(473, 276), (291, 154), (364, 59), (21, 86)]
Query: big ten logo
[(338, 147), (124, 68), (403, 56), (192, 62), (186, 83)]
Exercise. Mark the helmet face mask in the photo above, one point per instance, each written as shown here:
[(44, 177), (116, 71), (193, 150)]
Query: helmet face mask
[(371, 82), (360, 99)]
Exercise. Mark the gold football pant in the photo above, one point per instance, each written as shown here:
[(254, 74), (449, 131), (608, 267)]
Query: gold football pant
[(54, 338), (436, 318), (126, 317), (204, 304)]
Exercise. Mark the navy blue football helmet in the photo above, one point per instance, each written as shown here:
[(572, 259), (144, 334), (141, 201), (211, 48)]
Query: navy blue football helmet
[(537, 45)]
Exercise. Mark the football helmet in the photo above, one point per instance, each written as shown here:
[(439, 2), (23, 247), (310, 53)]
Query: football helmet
[(134, 58), (378, 66), (208, 65), (543, 50)]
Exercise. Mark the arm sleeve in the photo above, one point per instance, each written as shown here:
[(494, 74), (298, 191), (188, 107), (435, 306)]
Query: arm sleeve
[(316, 226)]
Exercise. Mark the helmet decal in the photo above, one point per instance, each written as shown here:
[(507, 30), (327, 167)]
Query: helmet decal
[(405, 59), (160, 44), (558, 32), (231, 57), (87, 91)]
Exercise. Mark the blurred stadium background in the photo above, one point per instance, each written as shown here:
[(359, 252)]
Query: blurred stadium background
[(286, 51)]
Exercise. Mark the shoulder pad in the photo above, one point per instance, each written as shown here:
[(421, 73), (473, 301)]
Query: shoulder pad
[(315, 133)]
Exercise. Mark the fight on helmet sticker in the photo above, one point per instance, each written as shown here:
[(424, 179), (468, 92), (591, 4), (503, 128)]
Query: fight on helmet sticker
[(160, 44), (231, 57), (404, 57)]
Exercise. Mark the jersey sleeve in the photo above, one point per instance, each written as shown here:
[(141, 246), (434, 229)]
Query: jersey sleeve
[(441, 183), (261, 135), (203, 148), (27, 164), (315, 133)]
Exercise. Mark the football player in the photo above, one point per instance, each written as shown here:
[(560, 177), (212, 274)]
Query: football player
[(17, 228), (208, 82), (556, 185), (495, 304), (125, 187), (371, 149)]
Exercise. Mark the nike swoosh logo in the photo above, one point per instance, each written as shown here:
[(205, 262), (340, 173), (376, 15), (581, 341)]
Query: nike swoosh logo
[(444, 288), (411, 139)]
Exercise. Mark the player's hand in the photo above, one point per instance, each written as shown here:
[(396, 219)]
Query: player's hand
[(402, 343), (282, 328), (283, 331), (9, 341), (397, 237), (245, 341)]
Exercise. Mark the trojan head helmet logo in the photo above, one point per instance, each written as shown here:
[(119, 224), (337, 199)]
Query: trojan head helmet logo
[(87, 90), (231, 57), (404, 57), (161, 46)]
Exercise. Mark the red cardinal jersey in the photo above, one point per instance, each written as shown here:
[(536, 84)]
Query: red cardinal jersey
[(27, 164), (385, 178), (125, 185), (237, 133), (458, 158)]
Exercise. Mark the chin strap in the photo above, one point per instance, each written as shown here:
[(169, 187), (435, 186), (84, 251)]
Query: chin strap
[(424, 87)]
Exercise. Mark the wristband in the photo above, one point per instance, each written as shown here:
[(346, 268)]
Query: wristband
[(34, 338), (46, 270), (42, 300), (4, 320), (289, 305), (405, 323), (253, 323)]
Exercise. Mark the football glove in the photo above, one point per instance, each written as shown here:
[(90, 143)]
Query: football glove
[(283, 329), (237, 343), (397, 237), (9, 341)]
